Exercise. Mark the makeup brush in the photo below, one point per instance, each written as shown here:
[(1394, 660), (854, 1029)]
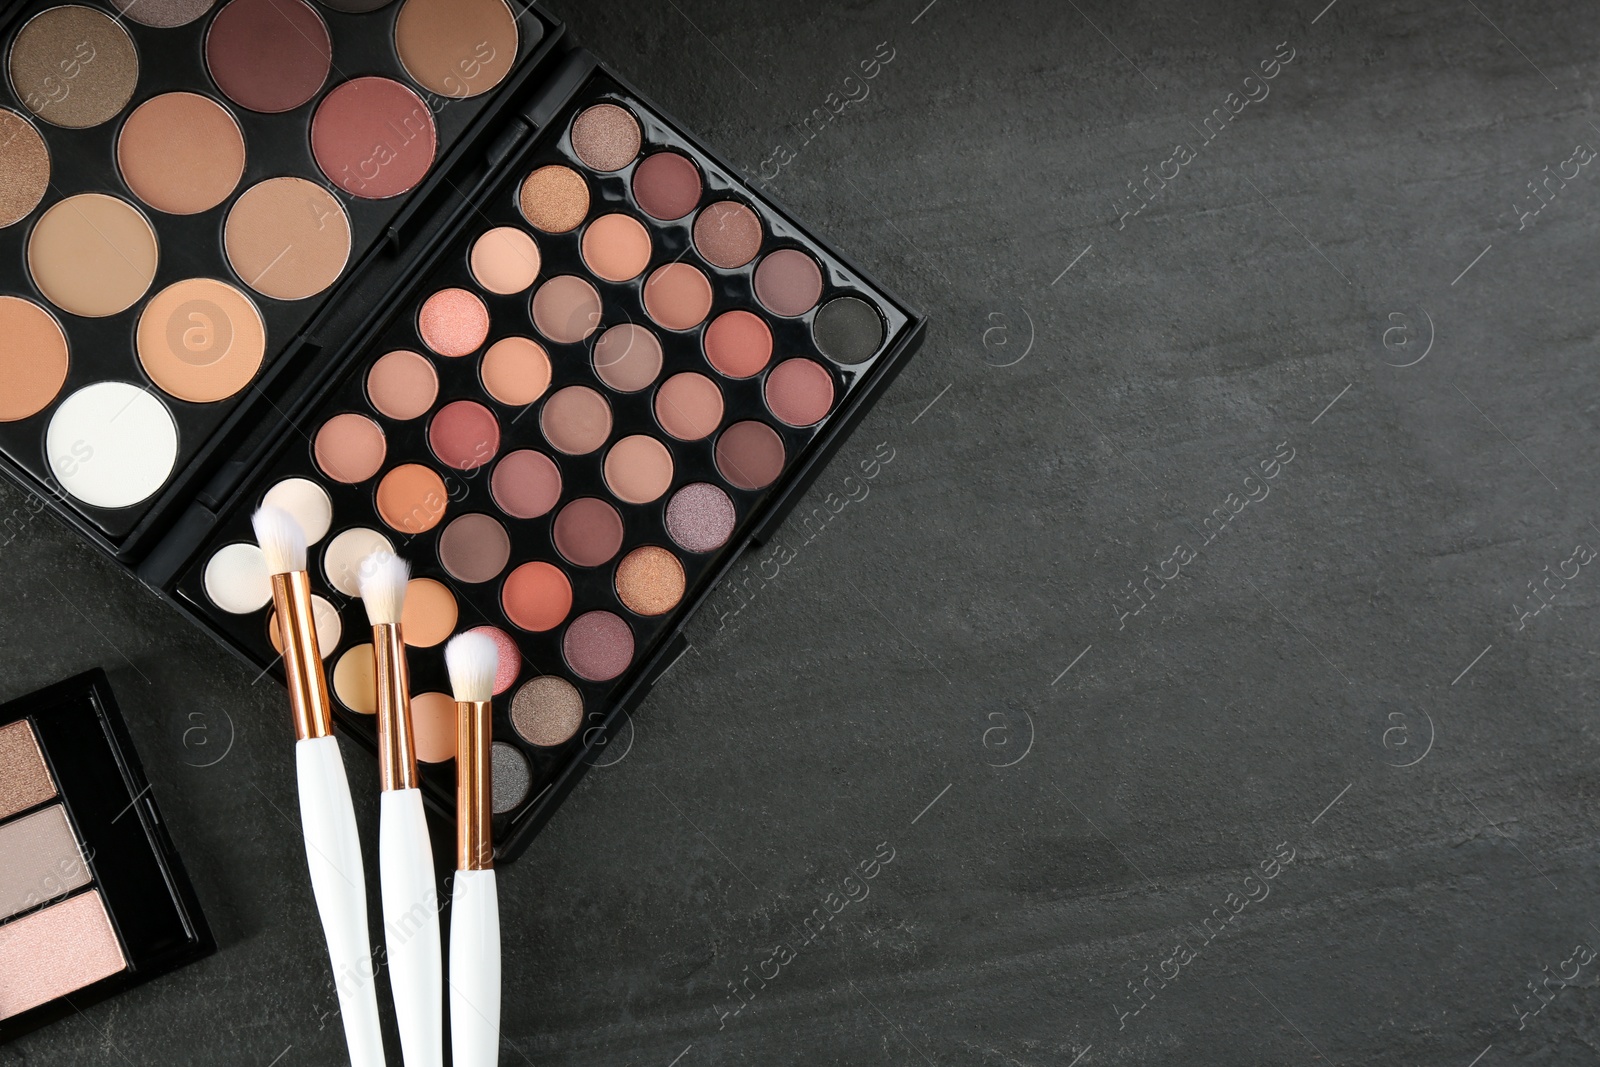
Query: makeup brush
[(405, 856), (333, 850), (475, 907)]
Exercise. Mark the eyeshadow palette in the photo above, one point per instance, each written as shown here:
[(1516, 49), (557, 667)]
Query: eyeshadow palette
[(186, 188), (615, 369), (93, 898)]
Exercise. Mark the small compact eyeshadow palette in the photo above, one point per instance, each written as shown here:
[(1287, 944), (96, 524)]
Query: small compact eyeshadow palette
[(184, 187), (570, 388), (93, 898)]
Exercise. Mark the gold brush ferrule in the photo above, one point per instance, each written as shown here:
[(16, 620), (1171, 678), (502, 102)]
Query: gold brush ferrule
[(474, 732), (397, 750), (302, 658)]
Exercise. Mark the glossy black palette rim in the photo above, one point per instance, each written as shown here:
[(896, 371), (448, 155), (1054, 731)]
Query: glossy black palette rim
[(479, 604), (277, 145)]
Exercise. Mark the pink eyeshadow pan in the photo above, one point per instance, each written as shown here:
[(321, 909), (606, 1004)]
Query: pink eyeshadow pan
[(453, 322), (57, 951)]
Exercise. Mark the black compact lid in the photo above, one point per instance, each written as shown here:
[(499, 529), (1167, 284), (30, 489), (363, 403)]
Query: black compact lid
[(131, 858)]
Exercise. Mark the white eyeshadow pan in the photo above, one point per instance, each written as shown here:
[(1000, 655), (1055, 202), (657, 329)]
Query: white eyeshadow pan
[(112, 444)]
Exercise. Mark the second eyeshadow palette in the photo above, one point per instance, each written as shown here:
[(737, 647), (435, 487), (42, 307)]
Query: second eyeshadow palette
[(618, 367), (184, 187)]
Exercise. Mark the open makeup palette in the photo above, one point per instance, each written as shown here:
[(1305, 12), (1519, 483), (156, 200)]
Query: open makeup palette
[(433, 281)]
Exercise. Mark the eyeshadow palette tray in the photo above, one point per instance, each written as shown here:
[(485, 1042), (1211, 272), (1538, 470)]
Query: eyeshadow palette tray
[(600, 605), (93, 896), (54, 49)]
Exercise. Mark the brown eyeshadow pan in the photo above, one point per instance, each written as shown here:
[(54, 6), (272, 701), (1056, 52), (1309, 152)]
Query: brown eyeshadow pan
[(456, 48), (24, 778), (269, 56), (24, 168), (74, 66)]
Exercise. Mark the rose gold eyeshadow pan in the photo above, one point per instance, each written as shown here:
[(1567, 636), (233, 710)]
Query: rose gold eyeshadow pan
[(612, 368)]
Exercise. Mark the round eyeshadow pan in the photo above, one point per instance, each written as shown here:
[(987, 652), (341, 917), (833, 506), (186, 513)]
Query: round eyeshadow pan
[(700, 517), (677, 296), (430, 613), (750, 455), (547, 711), (181, 153), (349, 448), (73, 66), (738, 344), (355, 680), (307, 501), (598, 646), (515, 371), (554, 199), (788, 282), (510, 777), (433, 726), (324, 618), (474, 548), (287, 238), (402, 385), (25, 161), (374, 138), (505, 260), (576, 420), (411, 498), (456, 48), (510, 657), (33, 361), (667, 186), (93, 255), (163, 14), (453, 322), (566, 309), (689, 406), (848, 330), (536, 597), (799, 392), (727, 234), (587, 532), (525, 484), (638, 469), (605, 137), (236, 579), (616, 248), (650, 581), (269, 55), (111, 444), (342, 559), (627, 357), (201, 340), (464, 435)]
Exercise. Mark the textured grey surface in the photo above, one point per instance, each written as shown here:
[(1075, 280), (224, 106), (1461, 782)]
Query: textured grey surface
[(1067, 795)]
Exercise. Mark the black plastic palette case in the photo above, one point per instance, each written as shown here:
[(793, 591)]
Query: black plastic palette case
[(93, 897), (523, 330)]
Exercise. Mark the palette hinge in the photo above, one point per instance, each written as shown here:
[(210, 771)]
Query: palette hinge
[(172, 552)]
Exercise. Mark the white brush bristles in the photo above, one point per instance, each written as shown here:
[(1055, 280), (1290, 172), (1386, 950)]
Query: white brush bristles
[(383, 587), (282, 541), (474, 660)]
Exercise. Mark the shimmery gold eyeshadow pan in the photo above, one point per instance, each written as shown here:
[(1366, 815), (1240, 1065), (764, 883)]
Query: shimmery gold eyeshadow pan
[(93, 899), (432, 280)]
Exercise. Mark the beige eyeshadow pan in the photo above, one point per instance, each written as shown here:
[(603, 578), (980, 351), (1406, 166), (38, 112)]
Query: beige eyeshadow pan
[(43, 860), (92, 255)]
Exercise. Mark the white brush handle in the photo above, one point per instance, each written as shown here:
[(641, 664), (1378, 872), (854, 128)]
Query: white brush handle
[(475, 970), (411, 927), (333, 852)]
